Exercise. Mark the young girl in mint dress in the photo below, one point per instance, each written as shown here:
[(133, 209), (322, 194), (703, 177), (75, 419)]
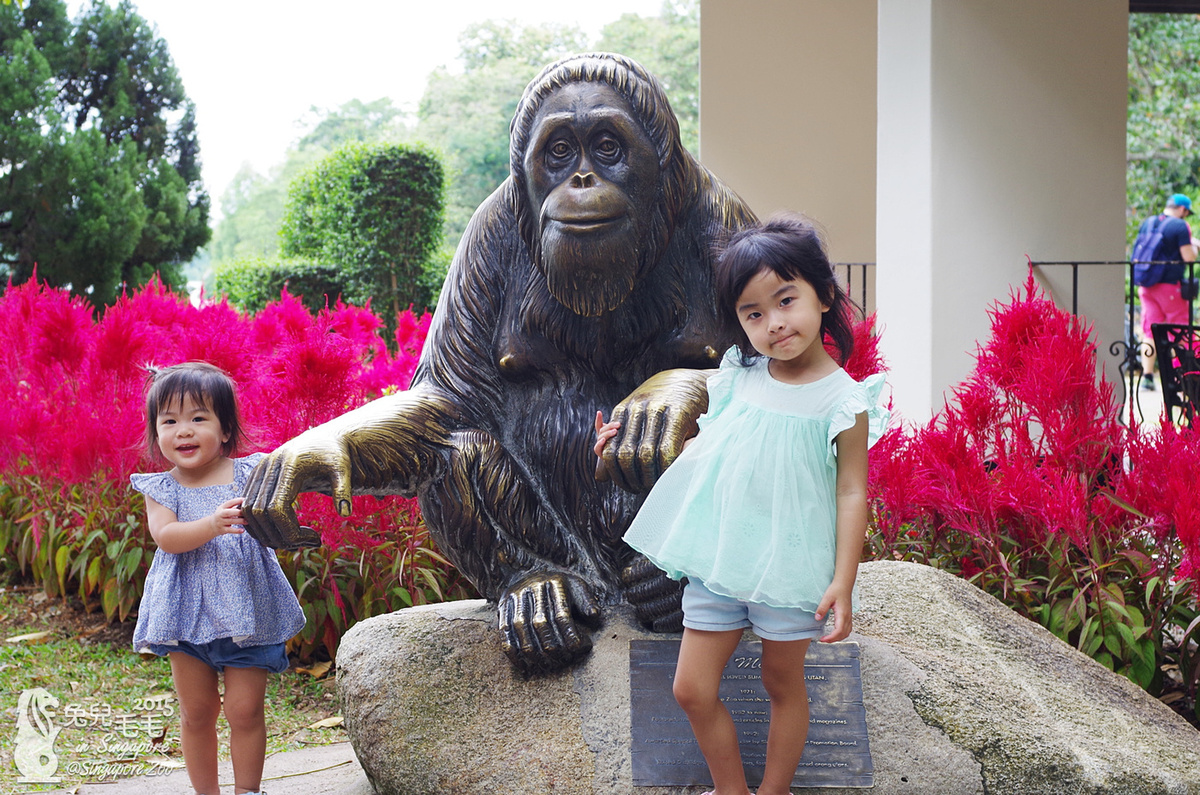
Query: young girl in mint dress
[(765, 511), (215, 599)]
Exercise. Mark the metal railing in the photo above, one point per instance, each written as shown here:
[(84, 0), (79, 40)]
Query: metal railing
[(846, 272), (1130, 349)]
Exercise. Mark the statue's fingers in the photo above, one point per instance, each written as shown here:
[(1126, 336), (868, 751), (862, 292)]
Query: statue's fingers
[(548, 609), (649, 445), (280, 511), (628, 472), (672, 622), (263, 482), (339, 482), (569, 642), (583, 604), (254, 510), (611, 452), (670, 444), (639, 571), (254, 482), (308, 538), (508, 636), (522, 626)]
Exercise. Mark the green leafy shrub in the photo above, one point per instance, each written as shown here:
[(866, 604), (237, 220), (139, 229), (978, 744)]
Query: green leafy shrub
[(339, 587), (374, 211), (250, 283)]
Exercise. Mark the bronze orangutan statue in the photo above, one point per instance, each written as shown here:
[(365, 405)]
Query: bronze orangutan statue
[(583, 282)]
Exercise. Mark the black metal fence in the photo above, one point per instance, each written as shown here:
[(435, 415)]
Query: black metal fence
[(855, 277), (1131, 348)]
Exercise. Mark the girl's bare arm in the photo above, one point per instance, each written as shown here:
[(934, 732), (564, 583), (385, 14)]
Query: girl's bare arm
[(851, 497), (176, 537)]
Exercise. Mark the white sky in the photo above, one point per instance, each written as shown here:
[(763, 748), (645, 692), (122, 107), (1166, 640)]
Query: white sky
[(254, 67)]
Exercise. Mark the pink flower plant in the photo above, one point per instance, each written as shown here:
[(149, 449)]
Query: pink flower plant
[(1027, 484), (71, 399)]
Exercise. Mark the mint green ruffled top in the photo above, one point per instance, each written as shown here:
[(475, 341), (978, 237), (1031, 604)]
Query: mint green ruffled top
[(749, 507)]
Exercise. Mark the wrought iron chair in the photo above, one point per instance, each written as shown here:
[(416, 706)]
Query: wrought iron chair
[(1179, 368)]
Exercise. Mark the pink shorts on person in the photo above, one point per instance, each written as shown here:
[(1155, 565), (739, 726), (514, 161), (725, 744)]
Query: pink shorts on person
[(1162, 303)]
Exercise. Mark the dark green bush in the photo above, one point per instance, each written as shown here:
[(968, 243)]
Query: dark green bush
[(250, 283), (375, 212)]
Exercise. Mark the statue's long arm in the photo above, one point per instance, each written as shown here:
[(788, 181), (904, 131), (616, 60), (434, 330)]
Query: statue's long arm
[(656, 419), (389, 446)]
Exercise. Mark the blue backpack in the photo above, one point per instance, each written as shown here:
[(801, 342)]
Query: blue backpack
[(1147, 273)]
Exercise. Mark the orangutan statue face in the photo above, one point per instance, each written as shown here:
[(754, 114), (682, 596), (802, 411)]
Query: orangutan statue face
[(592, 183)]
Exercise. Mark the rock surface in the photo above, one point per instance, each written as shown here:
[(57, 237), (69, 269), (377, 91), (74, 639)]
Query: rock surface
[(962, 696)]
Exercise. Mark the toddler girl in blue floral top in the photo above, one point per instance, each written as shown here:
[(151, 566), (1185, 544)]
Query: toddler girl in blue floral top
[(215, 599)]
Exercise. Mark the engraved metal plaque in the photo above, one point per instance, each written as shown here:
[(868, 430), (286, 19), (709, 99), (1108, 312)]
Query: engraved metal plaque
[(665, 752)]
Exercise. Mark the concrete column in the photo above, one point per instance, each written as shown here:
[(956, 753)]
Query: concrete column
[(1001, 135), (998, 130)]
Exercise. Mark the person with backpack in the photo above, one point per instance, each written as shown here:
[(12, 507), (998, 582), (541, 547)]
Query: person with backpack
[(1163, 245)]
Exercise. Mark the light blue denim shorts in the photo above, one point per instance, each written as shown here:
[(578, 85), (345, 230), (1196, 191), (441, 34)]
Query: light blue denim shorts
[(223, 653), (712, 612)]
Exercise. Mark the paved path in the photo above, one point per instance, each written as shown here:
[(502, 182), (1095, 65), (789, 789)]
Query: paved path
[(318, 770)]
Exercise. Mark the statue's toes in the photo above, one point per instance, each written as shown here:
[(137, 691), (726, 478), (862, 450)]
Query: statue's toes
[(672, 622)]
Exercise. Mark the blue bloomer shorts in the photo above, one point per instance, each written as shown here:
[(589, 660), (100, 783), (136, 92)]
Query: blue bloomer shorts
[(711, 612), (223, 653)]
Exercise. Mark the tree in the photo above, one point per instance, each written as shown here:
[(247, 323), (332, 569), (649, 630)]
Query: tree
[(669, 47), (374, 211), (99, 163), (251, 283), (1163, 131), (467, 114)]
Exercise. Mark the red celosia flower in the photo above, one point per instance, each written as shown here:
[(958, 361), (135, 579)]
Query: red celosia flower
[(72, 386)]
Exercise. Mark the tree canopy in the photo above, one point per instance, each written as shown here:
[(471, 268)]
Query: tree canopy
[(467, 114), (99, 162), (669, 47), (1163, 131)]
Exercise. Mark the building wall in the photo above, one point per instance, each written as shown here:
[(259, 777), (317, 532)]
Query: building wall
[(1028, 136), (999, 132), (787, 111)]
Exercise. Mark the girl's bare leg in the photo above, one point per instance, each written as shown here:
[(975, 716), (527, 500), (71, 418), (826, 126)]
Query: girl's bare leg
[(245, 689), (199, 706), (783, 678), (702, 658)]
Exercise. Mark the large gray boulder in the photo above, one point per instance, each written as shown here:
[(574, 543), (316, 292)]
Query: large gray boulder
[(962, 696)]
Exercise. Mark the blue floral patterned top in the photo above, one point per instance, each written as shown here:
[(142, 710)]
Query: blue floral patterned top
[(231, 587)]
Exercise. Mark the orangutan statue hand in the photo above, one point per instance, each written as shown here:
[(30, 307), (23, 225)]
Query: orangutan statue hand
[(384, 447), (656, 419), (656, 598), (539, 621), (309, 462)]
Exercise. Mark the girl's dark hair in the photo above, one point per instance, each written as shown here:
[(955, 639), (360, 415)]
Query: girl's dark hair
[(791, 246), (205, 384)]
